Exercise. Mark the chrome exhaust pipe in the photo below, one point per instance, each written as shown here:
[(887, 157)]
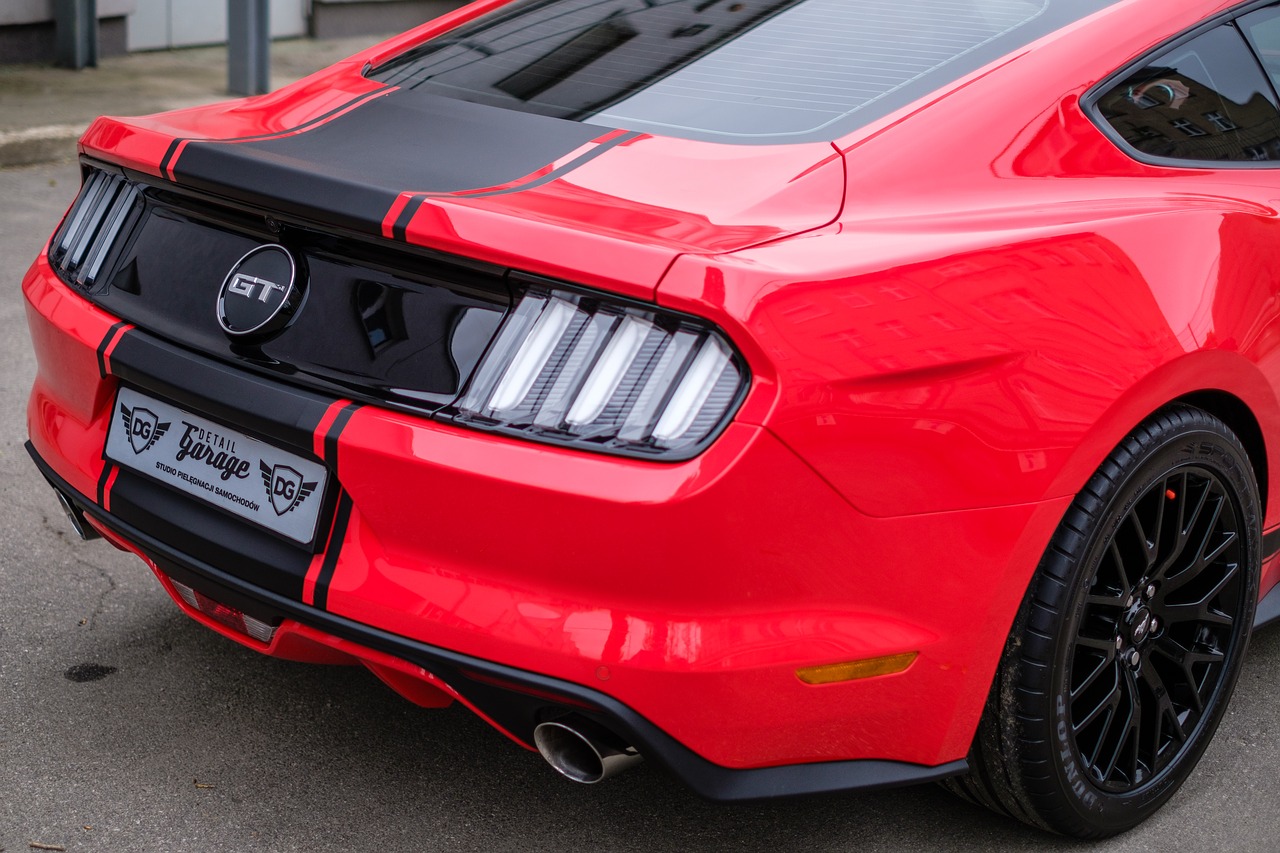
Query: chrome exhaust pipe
[(76, 518), (583, 751)]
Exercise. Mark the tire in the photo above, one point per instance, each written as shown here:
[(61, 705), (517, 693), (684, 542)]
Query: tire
[(1130, 639)]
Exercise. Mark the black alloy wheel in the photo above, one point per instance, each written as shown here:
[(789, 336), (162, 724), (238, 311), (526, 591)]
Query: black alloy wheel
[(1150, 647), (1128, 644)]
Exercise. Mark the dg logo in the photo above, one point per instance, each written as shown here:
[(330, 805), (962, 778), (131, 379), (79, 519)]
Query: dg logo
[(143, 427), (285, 487)]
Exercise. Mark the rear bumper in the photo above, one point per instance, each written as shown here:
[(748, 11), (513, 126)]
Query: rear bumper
[(674, 601), (513, 700)]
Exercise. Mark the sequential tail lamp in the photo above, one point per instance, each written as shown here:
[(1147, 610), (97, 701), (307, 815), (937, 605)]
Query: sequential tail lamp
[(851, 671), (80, 248), (224, 615), (598, 373)]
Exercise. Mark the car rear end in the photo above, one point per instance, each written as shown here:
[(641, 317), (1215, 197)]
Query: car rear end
[(367, 374)]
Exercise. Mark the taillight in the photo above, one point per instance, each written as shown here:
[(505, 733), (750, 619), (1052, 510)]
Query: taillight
[(589, 371), (80, 248)]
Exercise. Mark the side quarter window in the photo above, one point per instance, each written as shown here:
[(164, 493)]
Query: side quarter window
[(1204, 100), (1262, 29)]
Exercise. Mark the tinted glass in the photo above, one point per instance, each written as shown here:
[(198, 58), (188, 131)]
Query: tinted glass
[(731, 70), (1262, 28), (1204, 100)]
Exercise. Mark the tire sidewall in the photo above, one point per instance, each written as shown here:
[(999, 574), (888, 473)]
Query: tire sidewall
[(1200, 446)]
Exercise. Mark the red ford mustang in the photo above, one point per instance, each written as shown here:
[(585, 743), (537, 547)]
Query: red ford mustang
[(804, 395)]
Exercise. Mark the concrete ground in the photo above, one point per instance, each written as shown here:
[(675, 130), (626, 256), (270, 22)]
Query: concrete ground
[(43, 110)]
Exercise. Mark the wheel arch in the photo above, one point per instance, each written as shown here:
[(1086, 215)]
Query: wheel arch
[(1228, 385), (1240, 397), (1026, 759), (1237, 415)]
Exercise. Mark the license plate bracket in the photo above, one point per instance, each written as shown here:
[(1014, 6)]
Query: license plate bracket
[(221, 467)]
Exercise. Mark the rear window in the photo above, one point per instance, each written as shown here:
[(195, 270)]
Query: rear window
[(724, 70)]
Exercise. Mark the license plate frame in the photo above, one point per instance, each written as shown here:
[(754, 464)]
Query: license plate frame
[(219, 466)]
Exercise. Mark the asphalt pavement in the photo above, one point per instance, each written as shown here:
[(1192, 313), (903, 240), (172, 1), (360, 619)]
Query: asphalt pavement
[(124, 726)]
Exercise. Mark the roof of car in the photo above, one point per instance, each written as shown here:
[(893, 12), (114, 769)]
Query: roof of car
[(754, 71)]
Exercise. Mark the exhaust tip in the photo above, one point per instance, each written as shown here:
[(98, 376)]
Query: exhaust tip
[(583, 752), (76, 518)]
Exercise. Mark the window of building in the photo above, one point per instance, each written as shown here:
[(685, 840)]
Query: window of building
[(1221, 122)]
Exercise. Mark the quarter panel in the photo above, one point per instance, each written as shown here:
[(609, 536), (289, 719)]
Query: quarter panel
[(997, 374), (713, 579)]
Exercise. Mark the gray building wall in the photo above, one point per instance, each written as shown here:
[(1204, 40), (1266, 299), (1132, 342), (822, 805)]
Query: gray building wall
[(334, 18), (27, 29), (41, 11), (161, 24)]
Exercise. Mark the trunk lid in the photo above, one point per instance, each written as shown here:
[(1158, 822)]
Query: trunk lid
[(595, 205)]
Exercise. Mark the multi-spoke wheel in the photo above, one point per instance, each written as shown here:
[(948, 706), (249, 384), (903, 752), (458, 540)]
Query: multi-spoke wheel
[(1127, 646)]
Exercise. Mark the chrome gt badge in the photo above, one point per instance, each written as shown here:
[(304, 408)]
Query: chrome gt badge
[(260, 293)]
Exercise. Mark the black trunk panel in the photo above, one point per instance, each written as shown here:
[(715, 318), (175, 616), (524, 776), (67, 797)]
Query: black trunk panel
[(376, 324)]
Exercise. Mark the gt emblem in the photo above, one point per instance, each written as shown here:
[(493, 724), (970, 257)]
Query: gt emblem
[(247, 286), (260, 293), (143, 427), (284, 486)]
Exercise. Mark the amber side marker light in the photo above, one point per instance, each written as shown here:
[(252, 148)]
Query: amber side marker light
[(853, 670)]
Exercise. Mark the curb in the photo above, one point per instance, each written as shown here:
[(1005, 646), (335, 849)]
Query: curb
[(39, 144)]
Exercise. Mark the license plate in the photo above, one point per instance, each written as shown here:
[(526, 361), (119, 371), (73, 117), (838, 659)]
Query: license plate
[(224, 468)]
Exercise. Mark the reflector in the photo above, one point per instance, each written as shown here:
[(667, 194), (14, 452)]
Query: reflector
[(869, 668), (221, 613)]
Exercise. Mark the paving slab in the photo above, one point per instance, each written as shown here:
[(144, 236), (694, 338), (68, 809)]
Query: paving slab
[(43, 110)]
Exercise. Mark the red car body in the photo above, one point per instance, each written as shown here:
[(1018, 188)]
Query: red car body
[(949, 318)]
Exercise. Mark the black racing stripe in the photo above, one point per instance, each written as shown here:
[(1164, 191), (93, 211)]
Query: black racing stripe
[(400, 229), (284, 415), (106, 342), (102, 481), (335, 430), (327, 568), (192, 527), (558, 173), (351, 170), (166, 164), (1270, 544)]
